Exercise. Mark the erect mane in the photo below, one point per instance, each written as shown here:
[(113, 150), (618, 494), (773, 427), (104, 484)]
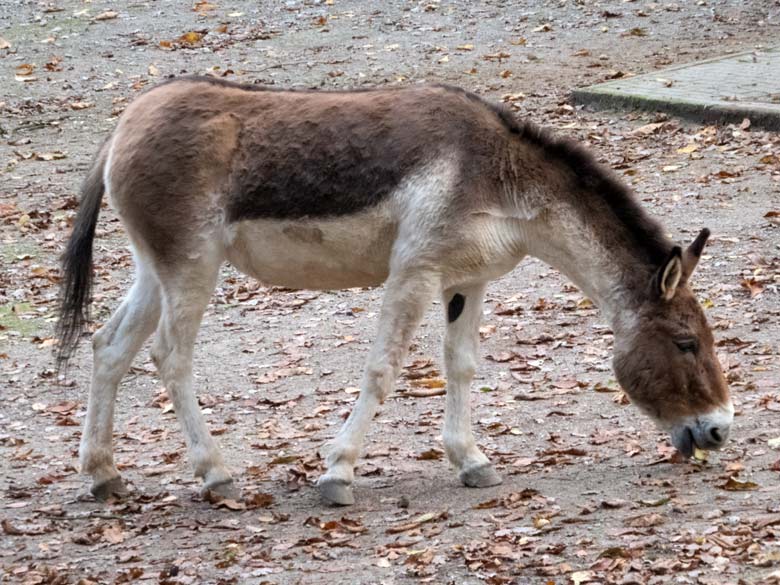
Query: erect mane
[(593, 178)]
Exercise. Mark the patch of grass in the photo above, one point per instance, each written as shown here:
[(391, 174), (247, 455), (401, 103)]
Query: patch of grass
[(10, 252), (21, 318)]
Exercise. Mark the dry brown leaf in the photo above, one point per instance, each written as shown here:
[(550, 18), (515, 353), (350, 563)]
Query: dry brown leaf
[(429, 383), (259, 500), (430, 455), (648, 129), (48, 156), (191, 37), (425, 392), (203, 6), (24, 69), (754, 287), (113, 533), (107, 15), (420, 520), (735, 485), (646, 521), (688, 149), (231, 504)]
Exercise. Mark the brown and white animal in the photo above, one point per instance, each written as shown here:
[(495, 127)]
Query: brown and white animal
[(430, 190)]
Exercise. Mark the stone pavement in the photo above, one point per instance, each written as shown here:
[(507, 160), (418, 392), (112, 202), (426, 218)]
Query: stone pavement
[(722, 90)]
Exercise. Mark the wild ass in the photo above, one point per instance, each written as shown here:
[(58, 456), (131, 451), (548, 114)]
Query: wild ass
[(432, 191)]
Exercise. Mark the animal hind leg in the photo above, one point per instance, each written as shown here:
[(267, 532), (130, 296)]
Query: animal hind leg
[(114, 347), (405, 301), (186, 293), (463, 307)]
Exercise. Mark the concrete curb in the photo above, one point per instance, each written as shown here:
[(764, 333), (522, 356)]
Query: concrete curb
[(642, 92)]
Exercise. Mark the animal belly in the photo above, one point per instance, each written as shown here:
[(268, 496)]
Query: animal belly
[(336, 253)]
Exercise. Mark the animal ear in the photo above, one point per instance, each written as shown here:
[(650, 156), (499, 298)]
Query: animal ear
[(669, 275), (693, 253)]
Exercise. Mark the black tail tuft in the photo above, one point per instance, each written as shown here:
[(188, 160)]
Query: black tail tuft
[(76, 285)]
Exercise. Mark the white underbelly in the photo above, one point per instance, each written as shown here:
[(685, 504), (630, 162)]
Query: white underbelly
[(342, 252)]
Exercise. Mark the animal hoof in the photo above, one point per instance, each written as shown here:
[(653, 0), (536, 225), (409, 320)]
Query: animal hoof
[(225, 489), (113, 487), (335, 491), (480, 477)]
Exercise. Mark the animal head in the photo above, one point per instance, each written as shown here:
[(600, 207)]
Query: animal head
[(665, 358)]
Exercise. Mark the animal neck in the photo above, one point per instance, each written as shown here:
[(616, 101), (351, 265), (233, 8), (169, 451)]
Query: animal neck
[(598, 253), (578, 217)]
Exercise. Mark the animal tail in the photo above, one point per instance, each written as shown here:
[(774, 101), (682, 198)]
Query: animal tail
[(76, 284)]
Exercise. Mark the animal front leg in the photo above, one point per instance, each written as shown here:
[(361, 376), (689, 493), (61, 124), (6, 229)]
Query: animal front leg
[(463, 308), (405, 301)]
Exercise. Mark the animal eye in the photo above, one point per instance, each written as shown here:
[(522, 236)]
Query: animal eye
[(687, 345)]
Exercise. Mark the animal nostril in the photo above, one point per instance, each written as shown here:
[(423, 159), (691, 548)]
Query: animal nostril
[(715, 434)]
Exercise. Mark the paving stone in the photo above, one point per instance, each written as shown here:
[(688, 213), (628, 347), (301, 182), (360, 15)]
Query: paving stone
[(722, 90)]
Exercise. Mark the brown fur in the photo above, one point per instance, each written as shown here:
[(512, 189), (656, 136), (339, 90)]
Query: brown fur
[(317, 154), (691, 382)]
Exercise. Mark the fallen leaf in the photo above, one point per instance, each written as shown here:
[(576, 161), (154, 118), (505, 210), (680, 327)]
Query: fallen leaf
[(735, 485), (430, 455), (425, 392), (259, 500), (114, 534), (688, 149), (10, 529), (231, 504), (190, 38), (754, 287), (203, 6), (47, 156), (429, 383), (579, 577), (423, 519), (654, 503), (649, 128), (107, 15), (646, 521), (24, 69)]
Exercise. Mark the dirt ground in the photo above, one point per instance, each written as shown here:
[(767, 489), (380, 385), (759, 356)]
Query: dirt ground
[(591, 493)]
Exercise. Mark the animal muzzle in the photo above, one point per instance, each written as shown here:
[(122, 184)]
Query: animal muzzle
[(707, 432)]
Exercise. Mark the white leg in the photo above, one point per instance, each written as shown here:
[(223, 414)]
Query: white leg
[(404, 304), (463, 309), (114, 347), (185, 297)]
